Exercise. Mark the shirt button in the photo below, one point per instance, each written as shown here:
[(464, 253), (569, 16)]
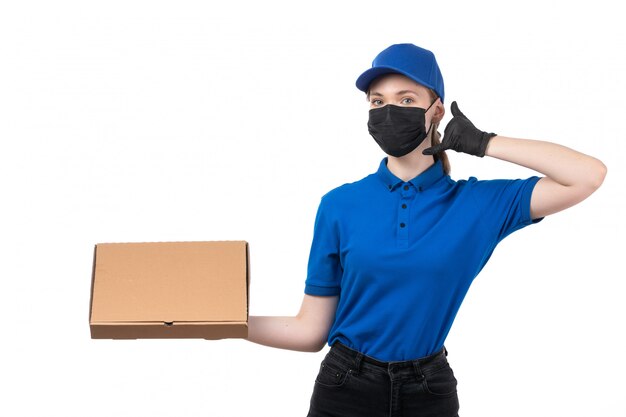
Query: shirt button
[(420, 188), (406, 187), (389, 186), (404, 206), (402, 224)]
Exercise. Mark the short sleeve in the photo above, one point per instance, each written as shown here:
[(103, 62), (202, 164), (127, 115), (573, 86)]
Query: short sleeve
[(324, 270), (505, 204)]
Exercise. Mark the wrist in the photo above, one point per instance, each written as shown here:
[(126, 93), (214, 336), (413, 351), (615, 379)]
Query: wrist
[(488, 139)]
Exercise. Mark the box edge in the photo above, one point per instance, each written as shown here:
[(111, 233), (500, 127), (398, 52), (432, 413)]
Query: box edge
[(93, 278)]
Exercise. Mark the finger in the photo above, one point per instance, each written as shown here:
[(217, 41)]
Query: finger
[(455, 110), (434, 149), (452, 130)]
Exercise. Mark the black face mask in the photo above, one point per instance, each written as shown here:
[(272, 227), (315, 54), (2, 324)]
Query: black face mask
[(398, 130)]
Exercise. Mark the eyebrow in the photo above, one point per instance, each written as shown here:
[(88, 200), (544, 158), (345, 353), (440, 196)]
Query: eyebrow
[(375, 93)]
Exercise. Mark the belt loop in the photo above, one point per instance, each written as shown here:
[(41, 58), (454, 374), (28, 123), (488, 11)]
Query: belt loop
[(418, 370), (445, 351), (357, 363)]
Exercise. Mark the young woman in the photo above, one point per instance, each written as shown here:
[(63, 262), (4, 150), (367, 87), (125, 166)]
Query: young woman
[(394, 253)]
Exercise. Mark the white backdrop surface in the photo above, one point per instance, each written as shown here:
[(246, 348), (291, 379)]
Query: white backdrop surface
[(168, 121)]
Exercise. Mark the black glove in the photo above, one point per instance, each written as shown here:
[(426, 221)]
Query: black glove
[(462, 136)]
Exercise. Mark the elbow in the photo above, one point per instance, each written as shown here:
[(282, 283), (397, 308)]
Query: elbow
[(594, 179), (309, 344), (314, 343), (318, 345), (595, 176), (312, 347), (313, 337), (599, 174)]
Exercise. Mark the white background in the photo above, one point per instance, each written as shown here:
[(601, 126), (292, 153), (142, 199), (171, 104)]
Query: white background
[(167, 121)]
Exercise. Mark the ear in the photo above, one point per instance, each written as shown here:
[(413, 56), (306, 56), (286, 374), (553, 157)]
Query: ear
[(440, 111)]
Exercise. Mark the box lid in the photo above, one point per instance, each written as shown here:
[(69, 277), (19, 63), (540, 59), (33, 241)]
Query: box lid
[(170, 282)]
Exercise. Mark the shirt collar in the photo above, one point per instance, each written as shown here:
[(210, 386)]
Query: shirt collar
[(422, 181)]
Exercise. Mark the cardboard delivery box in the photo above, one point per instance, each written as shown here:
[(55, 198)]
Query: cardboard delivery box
[(170, 290)]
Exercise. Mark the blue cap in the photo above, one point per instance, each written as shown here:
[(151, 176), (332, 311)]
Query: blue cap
[(417, 63)]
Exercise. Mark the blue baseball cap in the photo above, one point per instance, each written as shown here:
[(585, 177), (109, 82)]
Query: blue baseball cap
[(417, 63)]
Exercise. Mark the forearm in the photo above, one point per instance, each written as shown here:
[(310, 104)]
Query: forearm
[(283, 332), (562, 164)]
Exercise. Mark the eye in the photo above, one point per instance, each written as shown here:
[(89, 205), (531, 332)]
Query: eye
[(407, 100), (376, 102)]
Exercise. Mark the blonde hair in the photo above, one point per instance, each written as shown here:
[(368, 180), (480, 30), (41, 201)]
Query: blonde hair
[(434, 135), (435, 139)]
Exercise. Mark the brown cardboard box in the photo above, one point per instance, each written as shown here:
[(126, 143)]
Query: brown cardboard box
[(170, 290)]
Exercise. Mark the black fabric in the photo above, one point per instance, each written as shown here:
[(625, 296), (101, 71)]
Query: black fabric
[(461, 135), (398, 130), (351, 384)]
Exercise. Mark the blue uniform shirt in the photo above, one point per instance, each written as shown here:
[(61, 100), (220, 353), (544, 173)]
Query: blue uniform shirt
[(402, 255)]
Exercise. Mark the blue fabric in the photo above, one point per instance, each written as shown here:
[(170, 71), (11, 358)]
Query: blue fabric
[(402, 273), (410, 60)]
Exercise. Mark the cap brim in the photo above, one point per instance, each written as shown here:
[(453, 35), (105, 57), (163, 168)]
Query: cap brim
[(365, 79)]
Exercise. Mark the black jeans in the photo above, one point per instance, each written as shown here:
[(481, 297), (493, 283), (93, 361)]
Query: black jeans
[(350, 384)]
